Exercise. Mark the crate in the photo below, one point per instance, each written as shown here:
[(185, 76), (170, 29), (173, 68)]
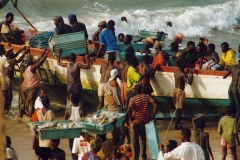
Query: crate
[(153, 34), (54, 133), (69, 43), (136, 46), (102, 128)]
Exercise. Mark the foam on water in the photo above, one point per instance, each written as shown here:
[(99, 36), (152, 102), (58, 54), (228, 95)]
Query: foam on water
[(191, 20)]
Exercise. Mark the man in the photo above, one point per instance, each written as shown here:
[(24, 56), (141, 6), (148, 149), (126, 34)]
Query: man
[(187, 150), (161, 58), (105, 69), (10, 73), (6, 31), (53, 152), (110, 25), (108, 40), (139, 115), (201, 137), (129, 48), (121, 37), (228, 131), (3, 81), (227, 59), (77, 26), (123, 68), (178, 93), (149, 44), (73, 74), (234, 90), (61, 27)]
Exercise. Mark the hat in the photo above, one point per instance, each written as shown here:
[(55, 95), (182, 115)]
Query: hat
[(171, 145), (102, 23), (179, 36), (238, 57), (72, 16), (157, 44), (58, 18), (149, 39), (138, 87), (113, 74)]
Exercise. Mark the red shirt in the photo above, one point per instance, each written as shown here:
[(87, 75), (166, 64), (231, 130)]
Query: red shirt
[(140, 105)]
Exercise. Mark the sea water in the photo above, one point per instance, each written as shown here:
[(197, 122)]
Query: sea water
[(208, 18)]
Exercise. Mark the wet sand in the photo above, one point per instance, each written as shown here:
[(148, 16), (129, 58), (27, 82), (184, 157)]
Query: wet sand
[(22, 139)]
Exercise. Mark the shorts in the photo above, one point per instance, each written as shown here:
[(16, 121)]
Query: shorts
[(118, 56), (102, 89), (226, 144), (3, 84)]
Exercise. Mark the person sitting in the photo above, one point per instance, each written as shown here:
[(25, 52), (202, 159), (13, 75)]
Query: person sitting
[(51, 152), (6, 31), (149, 44), (161, 58), (192, 54), (171, 145), (121, 37), (212, 54), (77, 26), (10, 152), (227, 59), (201, 137), (61, 27)]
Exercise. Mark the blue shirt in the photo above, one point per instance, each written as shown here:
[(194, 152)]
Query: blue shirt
[(107, 38)]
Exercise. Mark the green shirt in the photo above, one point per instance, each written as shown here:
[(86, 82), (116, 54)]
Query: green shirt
[(227, 128), (132, 77)]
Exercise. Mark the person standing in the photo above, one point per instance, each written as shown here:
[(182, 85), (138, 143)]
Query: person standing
[(11, 153), (229, 135), (31, 84), (128, 46), (3, 81), (139, 115), (187, 150), (10, 73), (227, 58), (178, 93), (201, 137), (108, 40), (112, 98), (74, 84), (77, 26), (6, 31), (234, 90), (61, 27), (105, 70)]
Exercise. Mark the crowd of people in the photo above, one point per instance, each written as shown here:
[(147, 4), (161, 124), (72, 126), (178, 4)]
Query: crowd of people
[(132, 96)]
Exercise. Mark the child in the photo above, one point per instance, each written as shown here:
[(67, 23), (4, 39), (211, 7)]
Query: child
[(11, 153)]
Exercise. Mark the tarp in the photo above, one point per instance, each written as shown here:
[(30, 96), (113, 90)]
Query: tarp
[(3, 3)]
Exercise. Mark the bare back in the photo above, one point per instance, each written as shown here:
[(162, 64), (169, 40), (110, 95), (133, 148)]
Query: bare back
[(123, 68), (180, 79), (235, 75), (201, 138), (105, 72)]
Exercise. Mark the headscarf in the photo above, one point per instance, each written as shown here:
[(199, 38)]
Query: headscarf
[(127, 150), (179, 37), (149, 39), (113, 74)]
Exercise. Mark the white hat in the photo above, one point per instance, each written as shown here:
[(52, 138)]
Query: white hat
[(113, 74)]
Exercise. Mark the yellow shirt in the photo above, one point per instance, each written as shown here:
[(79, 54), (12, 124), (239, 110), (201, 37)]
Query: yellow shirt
[(228, 58), (132, 77)]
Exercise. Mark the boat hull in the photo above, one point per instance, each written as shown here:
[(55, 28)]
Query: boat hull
[(208, 93)]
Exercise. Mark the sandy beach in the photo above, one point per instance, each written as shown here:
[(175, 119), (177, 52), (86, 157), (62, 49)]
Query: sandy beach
[(22, 139)]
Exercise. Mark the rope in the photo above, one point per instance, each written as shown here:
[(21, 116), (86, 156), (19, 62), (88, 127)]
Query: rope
[(169, 126), (25, 17)]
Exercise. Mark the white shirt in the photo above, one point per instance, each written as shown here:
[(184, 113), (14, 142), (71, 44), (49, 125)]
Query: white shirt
[(38, 103), (3, 64), (11, 154), (186, 151), (81, 147)]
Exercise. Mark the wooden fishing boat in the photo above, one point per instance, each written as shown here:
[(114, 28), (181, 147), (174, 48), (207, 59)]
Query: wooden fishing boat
[(208, 93)]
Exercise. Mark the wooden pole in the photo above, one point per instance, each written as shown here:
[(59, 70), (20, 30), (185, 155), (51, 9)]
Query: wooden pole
[(24, 17)]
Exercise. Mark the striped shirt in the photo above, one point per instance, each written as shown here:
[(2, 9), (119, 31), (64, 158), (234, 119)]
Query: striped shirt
[(140, 105)]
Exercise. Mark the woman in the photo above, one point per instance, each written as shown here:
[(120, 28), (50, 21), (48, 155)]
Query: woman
[(112, 98), (95, 146), (31, 84)]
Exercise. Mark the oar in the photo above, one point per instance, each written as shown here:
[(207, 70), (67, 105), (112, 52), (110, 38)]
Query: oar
[(24, 17), (168, 126)]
